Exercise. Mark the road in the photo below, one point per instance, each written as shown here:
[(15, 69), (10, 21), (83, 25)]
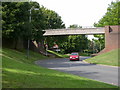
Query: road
[(101, 73)]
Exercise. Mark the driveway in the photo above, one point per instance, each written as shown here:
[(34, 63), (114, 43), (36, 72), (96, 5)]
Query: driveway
[(102, 73)]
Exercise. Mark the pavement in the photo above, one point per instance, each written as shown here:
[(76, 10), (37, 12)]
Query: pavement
[(101, 73)]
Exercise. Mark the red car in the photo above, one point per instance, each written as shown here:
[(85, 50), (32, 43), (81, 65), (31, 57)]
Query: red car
[(74, 56)]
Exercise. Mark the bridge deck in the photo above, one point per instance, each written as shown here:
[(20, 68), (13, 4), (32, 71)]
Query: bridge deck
[(88, 31)]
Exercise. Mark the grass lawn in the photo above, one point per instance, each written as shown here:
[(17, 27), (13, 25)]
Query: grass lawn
[(19, 72), (58, 54), (109, 58)]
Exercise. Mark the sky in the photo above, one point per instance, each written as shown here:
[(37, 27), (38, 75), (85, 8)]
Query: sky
[(82, 12)]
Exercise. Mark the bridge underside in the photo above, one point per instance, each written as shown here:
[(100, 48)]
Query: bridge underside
[(87, 31)]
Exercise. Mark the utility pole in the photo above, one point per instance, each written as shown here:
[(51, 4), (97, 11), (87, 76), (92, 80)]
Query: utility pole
[(46, 49), (28, 46), (100, 45), (93, 47)]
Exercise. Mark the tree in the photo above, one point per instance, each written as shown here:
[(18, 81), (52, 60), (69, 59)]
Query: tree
[(111, 17), (18, 27), (53, 21), (15, 17), (76, 43), (75, 26), (100, 40)]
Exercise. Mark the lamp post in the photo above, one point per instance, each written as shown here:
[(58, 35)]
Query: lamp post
[(28, 36), (87, 43), (93, 46)]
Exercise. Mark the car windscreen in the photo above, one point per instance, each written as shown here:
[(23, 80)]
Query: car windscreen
[(74, 54)]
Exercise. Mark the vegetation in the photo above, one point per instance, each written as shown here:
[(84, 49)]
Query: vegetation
[(109, 58), (111, 17), (71, 43), (75, 43), (19, 27), (84, 54), (19, 72), (58, 54), (75, 26), (99, 44), (16, 19)]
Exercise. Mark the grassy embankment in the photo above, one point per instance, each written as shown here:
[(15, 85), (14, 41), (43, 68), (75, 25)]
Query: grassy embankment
[(66, 55), (58, 54), (19, 72), (109, 58)]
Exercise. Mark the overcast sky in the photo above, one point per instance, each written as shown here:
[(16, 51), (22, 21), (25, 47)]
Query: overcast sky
[(81, 12)]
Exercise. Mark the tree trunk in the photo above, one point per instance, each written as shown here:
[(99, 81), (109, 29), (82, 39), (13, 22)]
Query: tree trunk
[(19, 44)]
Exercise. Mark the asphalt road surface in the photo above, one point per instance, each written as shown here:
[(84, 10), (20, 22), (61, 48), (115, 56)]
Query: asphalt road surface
[(102, 73)]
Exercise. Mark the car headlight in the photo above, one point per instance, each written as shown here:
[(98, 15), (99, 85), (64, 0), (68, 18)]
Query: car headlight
[(70, 57), (76, 57)]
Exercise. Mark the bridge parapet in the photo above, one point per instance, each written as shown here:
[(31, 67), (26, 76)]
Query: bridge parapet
[(77, 31)]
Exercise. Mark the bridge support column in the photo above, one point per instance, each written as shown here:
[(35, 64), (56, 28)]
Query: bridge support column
[(112, 38)]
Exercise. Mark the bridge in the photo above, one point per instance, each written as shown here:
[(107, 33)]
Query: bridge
[(112, 33), (87, 31)]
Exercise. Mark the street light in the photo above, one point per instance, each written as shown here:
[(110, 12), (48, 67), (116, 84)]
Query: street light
[(30, 22), (87, 43)]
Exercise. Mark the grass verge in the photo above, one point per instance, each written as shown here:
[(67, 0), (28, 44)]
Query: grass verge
[(58, 54), (109, 58), (19, 72)]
